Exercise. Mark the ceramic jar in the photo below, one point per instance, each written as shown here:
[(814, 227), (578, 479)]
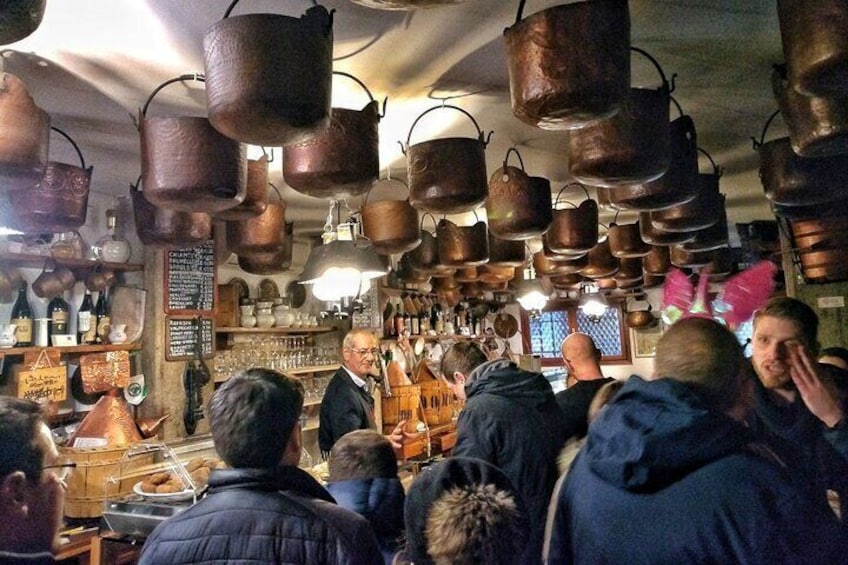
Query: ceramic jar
[(283, 316), (118, 334), (7, 336), (264, 316), (248, 319)]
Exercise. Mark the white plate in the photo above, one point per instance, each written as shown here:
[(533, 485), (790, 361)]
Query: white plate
[(187, 494)]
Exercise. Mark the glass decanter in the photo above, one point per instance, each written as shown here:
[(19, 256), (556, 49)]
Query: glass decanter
[(111, 247)]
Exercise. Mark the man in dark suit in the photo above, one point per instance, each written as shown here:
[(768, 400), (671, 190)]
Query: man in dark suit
[(348, 404), (583, 361)]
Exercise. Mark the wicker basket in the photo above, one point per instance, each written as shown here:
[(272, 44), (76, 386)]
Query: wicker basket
[(404, 404), (87, 486)]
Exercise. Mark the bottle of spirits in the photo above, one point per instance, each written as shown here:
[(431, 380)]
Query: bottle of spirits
[(22, 318), (111, 247), (399, 319), (104, 322), (57, 317), (86, 320)]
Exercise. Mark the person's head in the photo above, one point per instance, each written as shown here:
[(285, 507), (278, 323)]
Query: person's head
[(254, 419), (581, 356), (836, 356), (457, 364), (464, 511), (708, 358), (602, 398), (359, 351), (32, 475), (783, 323), (362, 454)]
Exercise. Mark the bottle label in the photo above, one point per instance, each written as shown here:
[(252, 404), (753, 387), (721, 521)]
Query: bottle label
[(83, 322), (23, 329)]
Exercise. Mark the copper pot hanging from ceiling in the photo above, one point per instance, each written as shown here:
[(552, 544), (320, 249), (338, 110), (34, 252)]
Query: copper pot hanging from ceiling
[(573, 230), (24, 136), (518, 206)]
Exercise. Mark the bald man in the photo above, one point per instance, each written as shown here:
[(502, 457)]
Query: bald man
[(582, 360)]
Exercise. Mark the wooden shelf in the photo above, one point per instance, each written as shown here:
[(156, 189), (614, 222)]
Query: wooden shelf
[(11, 351), (38, 261), (313, 369), (277, 330)]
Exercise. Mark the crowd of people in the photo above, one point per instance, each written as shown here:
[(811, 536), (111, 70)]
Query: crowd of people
[(712, 458)]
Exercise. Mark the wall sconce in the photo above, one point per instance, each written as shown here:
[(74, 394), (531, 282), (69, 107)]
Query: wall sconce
[(593, 303)]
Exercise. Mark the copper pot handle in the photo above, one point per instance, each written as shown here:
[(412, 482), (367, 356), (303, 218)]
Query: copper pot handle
[(365, 88), (517, 154), (569, 185), (762, 139), (76, 147), (234, 2), (480, 134), (432, 217), (716, 169), (188, 76), (669, 88)]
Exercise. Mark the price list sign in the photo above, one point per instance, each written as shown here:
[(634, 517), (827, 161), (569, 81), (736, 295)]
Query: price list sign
[(190, 285), (183, 335)]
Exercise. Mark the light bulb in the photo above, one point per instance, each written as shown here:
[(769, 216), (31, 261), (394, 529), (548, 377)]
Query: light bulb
[(337, 282), (533, 300)]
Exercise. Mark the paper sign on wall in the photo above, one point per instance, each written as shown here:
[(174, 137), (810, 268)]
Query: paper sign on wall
[(43, 385)]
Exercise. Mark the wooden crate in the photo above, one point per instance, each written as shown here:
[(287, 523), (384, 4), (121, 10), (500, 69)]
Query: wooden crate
[(228, 306), (404, 404)]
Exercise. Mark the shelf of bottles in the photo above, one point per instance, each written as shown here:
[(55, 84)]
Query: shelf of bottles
[(423, 316)]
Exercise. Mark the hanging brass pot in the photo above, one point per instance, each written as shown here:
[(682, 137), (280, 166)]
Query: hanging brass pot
[(167, 229), (625, 241), (628, 148), (447, 175), (24, 136), (518, 206), (273, 262), (824, 265), (462, 246), (680, 257), (256, 194), (506, 252), (820, 232), (657, 261), (629, 272), (342, 160), (573, 230), (638, 319), (602, 264), (186, 165), (699, 213), (569, 65), (712, 237), (653, 236), (815, 44), (391, 225), (466, 275), (262, 234), (269, 76), (59, 202)]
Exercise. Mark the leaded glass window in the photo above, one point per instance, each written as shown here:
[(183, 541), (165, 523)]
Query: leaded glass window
[(547, 332), (605, 331)]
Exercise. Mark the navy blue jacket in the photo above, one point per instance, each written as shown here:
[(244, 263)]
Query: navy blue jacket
[(253, 516), (381, 502), (663, 479), (344, 408), (512, 421)]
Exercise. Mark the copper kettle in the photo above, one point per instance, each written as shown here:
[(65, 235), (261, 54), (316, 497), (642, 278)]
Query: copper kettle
[(640, 318)]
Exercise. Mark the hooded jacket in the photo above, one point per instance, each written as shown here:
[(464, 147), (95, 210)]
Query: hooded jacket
[(380, 501), (664, 479), (253, 515), (512, 421)]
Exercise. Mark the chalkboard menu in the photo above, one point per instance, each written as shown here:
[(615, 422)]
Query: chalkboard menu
[(190, 286), (182, 334)]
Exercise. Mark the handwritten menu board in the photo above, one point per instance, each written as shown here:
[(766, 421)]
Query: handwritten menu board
[(181, 338), (45, 384), (190, 285)]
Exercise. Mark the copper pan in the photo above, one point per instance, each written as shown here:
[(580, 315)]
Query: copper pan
[(269, 76), (699, 213), (818, 125), (462, 246), (167, 229), (573, 230), (444, 283), (409, 275), (447, 175), (815, 44), (630, 147), (496, 274), (560, 257), (567, 282), (255, 196), (569, 65), (721, 265), (683, 258), (425, 257), (653, 236), (625, 241), (606, 283), (601, 262), (262, 234), (59, 202), (545, 267), (506, 252), (466, 275), (629, 272), (186, 164), (342, 160), (24, 136), (391, 225), (825, 265), (652, 281), (677, 186), (712, 237), (518, 206), (829, 231)]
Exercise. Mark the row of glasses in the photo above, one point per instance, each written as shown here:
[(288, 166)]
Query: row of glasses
[(280, 353)]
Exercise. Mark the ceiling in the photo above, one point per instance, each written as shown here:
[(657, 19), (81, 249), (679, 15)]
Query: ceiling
[(92, 63)]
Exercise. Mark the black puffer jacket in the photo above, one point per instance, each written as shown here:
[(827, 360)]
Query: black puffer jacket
[(512, 421), (253, 516)]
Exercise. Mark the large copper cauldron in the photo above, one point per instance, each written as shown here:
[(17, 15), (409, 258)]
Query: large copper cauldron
[(815, 44), (569, 65), (632, 146), (262, 234), (59, 202), (269, 76), (24, 136), (462, 246), (168, 229), (187, 165), (653, 236), (273, 262), (518, 206), (391, 225), (447, 175), (699, 213), (573, 230), (256, 196), (342, 160)]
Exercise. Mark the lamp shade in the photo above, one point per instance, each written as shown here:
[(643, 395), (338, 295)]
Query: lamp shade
[(342, 255)]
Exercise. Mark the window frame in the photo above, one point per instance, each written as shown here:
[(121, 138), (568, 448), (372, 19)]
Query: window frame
[(570, 308)]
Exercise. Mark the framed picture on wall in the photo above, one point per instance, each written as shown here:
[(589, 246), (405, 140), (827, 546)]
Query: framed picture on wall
[(645, 340)]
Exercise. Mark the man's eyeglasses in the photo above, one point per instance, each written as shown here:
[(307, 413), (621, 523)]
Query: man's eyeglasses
[(62, 470), (362, 352)]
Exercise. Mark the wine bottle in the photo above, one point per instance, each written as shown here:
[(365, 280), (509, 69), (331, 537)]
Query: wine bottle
[(86, 320), (399, 319), (57, 317), (22, 318), (104, 321)]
